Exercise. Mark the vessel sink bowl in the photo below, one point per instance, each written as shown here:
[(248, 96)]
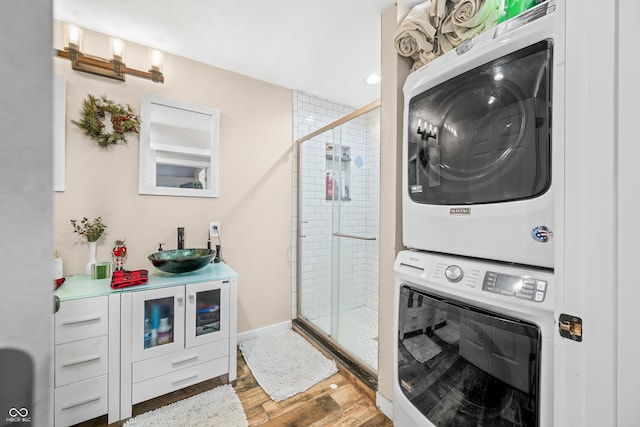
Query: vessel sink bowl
[(181, 260)]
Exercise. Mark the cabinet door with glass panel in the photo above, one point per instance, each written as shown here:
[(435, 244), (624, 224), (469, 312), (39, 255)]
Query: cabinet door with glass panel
[(171, 319), (157, 322), (207, 312)]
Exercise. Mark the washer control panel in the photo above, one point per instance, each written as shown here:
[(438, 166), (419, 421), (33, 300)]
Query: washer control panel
[(524, 287)]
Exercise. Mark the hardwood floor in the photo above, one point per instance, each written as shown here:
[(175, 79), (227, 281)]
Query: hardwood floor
[(347, 405)]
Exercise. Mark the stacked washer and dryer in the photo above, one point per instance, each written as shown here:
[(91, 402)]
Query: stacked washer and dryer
[(474, 294)]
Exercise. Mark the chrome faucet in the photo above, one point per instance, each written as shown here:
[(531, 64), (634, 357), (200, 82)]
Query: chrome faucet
[(180, 237)]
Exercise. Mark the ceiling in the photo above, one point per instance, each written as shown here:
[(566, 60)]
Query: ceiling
[(326, 48)]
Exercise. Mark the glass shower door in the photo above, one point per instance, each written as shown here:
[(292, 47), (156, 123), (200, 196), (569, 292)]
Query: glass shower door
[(338, 281)]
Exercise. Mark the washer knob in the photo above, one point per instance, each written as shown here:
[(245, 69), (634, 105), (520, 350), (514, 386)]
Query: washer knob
[(454, 273)]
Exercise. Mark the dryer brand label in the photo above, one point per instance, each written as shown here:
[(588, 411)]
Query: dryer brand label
[(460, 211), (541, 234), (416, 188)]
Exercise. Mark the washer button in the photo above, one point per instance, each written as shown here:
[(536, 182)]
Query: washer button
[(454, 273), (542, 285), (539, 296)]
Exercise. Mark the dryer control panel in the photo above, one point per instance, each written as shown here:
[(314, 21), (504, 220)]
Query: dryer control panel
[(525, 287), (487, 282)]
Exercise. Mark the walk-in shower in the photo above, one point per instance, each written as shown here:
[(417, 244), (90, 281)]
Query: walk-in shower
[(338, 220)]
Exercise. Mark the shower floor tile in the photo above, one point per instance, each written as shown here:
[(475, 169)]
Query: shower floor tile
[(357, 332)]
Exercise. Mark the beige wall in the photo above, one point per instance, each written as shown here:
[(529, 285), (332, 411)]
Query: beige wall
[(394, 72), (254, 206)]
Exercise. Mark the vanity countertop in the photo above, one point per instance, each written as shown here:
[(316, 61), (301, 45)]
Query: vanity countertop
[(82, 286)]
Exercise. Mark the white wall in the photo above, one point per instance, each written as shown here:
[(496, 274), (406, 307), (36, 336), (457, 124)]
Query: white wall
[(598, 380), (628, 233), (598, 272), (25, 202)]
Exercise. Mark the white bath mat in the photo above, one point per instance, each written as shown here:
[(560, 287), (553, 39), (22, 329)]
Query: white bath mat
[(449, 333), (422, 348), (285, 364), (219, 407)]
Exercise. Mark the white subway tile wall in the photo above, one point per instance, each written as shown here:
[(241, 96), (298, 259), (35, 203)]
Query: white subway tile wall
[(354, 262)]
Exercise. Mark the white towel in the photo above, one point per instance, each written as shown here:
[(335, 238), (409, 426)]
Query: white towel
[(415, 35), (440, 9), (441, 14), (421, 59)]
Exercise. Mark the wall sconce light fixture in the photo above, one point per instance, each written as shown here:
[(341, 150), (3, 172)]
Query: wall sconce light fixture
[(115, 67)]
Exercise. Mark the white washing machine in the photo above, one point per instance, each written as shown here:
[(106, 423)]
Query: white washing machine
[(474, 343), (483, 142)]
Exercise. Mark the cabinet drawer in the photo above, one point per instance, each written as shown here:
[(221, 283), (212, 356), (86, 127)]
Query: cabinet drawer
[(81, 360), (82, 318), (81, 401), (161, 365), (157, 386)]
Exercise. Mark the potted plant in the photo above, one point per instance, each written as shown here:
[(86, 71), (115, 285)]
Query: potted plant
[(91, 231)]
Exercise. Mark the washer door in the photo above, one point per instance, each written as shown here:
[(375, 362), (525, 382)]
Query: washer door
[(484, 135), (463, 366)]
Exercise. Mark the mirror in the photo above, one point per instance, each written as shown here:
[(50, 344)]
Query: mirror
[(178, 148)]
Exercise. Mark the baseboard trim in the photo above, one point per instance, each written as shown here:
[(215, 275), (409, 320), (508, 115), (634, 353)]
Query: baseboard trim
[(385, 405), (266, 330)]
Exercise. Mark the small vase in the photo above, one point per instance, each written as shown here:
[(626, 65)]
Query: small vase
[(92, 256)]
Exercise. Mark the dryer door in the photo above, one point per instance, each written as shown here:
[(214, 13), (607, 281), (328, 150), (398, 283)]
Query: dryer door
[(460, 365)]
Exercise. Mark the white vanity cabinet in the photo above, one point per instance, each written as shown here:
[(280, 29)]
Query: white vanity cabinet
[(179, 336), (104, 365), (85, 370)]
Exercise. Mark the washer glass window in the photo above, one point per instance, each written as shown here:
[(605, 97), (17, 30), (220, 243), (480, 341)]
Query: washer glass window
[(484, 136)]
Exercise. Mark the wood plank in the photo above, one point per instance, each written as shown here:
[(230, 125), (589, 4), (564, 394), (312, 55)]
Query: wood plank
[(305, 413), (256, 416)]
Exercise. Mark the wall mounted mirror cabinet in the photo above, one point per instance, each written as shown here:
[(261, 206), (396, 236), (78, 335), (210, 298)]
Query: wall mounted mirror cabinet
[(179, 146)]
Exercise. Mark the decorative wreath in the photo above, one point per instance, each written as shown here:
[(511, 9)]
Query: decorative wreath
[(94, 110)]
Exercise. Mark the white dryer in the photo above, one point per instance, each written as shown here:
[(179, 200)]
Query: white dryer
[(474, 343)]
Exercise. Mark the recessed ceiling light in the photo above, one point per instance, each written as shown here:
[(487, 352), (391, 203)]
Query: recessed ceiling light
[(373, 79)]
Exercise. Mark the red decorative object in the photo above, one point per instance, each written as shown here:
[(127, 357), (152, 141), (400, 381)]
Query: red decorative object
[(119, 252), (122, 278)]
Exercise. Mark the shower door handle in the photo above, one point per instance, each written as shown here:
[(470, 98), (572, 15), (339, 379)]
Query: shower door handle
[(353, 236)]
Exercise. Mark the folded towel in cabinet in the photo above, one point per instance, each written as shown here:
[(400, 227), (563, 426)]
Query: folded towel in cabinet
[(124, 278)]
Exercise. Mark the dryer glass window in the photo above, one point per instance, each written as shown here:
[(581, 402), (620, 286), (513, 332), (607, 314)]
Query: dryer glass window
[(484, 135), (462, 366)]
